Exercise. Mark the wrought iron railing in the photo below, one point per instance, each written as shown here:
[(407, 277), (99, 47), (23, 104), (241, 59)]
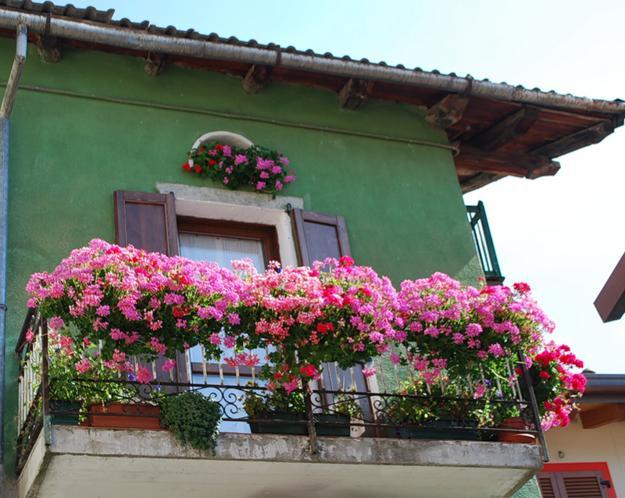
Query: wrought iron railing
[(484, 243), (323, 412)]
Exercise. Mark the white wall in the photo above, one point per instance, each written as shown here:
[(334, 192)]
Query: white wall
[(603, 444)]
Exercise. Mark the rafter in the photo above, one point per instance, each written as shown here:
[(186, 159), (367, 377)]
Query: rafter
[(591, 135), (505, 163), (354, 93), (447, 111), (256, 78), (48, 48), (512, 126), (154, 64)]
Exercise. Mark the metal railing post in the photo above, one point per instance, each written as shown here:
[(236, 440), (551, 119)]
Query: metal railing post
[(310, 419), (45, 381), (534, 406)]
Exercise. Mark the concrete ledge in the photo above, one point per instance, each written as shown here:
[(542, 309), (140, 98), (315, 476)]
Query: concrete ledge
[(279, 448)]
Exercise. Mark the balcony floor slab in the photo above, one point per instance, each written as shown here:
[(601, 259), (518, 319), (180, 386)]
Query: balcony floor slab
[(87, 462)]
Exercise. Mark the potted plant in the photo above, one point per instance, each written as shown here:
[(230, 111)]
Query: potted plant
[(192, 418), (427, 411), (263, 169), (335, 418), (276, 411), (72, 392)]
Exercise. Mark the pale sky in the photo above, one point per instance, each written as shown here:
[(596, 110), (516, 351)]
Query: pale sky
[(563, 235)]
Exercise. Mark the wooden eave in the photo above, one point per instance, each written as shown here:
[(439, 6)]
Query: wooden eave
[(494, 138)]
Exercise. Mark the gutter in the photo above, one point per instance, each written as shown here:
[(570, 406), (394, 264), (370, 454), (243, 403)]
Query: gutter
[(5, 113), (132, 39)]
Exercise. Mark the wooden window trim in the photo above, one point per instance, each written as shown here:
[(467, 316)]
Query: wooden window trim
[(571, 468), (267, 234)]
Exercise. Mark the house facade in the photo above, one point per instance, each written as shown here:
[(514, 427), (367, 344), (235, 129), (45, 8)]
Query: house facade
[(104, 115)]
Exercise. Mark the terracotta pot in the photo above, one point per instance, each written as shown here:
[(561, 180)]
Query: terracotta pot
[(515, 437), (124, 416)]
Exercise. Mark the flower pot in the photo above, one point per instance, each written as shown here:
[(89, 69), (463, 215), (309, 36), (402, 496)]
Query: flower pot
[(124, 416), (438, 429), (296, 424), (64, 412), (279, 423), (515, 437), (332, 425)]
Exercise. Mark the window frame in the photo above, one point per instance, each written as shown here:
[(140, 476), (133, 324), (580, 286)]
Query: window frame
[(268, 237)]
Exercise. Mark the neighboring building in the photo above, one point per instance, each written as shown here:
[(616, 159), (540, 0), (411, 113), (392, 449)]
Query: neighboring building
[(587, 458), (382, 154)]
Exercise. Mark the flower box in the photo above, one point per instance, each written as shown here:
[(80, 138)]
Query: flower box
[(296, 424), (64, 412), (124, 416), (438, 429), (513, 436)]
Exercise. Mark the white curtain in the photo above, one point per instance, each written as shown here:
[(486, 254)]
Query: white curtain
[(221, 250)]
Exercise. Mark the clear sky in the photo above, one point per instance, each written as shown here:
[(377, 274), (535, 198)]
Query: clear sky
[(564, 234)]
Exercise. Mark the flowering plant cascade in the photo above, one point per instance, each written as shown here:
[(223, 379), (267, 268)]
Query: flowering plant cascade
[(461, 334), (555, 381), (135, 303), (333, 312), (106, 304), (263, 169)]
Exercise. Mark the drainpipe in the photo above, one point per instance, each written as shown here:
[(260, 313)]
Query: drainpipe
[(5, 114)]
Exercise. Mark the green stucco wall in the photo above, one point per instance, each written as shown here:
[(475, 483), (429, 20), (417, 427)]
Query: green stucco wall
[(127, 130), (529, 490)]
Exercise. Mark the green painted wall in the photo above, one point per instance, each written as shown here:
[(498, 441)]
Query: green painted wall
[(529, 490), (402, 202)]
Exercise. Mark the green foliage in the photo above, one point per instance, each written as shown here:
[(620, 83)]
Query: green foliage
[(192, 418), (277, 400), (67, 384)]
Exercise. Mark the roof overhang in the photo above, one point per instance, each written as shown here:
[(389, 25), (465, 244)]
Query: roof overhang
[(497, 129), (610, 302)]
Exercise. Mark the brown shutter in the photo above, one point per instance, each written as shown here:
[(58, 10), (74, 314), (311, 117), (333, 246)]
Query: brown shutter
[(548, 486), (148, 221), (582, 484), (320, 236)]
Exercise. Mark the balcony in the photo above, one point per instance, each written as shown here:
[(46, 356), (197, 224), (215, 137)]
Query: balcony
[(313, 454), (484, 243)]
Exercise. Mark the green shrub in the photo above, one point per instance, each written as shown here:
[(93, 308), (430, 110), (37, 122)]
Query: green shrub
[(192, 418)]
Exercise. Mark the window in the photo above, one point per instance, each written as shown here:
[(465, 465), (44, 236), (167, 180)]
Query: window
[(576, 480), (221, 242)]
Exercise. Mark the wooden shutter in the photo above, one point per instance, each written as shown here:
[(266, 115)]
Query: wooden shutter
[(320, 236), (580, 484), (148, 221), (548, 485)]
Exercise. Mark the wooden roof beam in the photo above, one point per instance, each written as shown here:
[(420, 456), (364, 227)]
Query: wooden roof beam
[(355, 93), (154, 64), (447, 111), (591, 135), (610, 302), (478, 180), (256, 78), (514, 125), (505, 163), (48, 48)]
